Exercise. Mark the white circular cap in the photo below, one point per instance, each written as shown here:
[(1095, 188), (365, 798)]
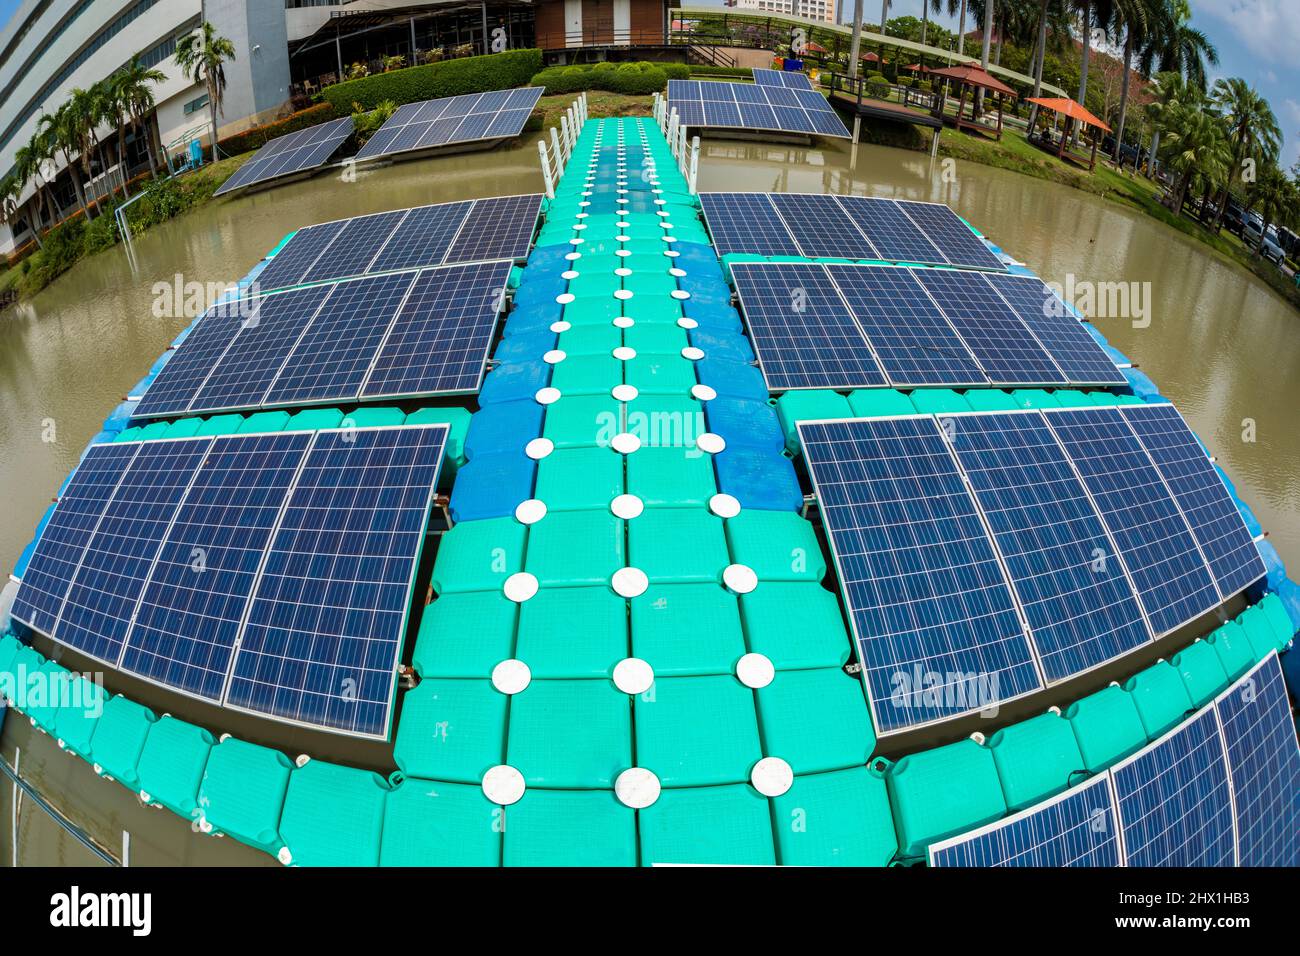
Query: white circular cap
[(724, 505), (531, 511), (662, 212), (671, 253), (629, 582), (520, 586), (554, 357), (580, 225), (664, 238), (622, 238), (678, 293), (624, 322), (624, 393), (633, 675), (739, 578), (692, 353), (710, 442), (660, 202), (677, 273), (548, 395), (755, 671), (564, 298), (539, 448), (503, 785), (624, 353), (622, 252), (560, 326), (622, 272), (687, 323), (511, 677), (637, 788), (625, 443), (772, 776), (569, 274), (663, 225), (573, 256), (627, 507), (623, 225), (622, 293), (575, 242), (704, 393)]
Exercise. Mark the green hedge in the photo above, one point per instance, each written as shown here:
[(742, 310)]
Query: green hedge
[(258, 136), (471, 74), (629, 78), (708, 70)]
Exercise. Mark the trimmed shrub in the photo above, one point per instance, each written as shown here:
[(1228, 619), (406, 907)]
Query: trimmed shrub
[(257, 137), (471, 74), (878, 86), (632, 79), (707, 69), (676, 71)]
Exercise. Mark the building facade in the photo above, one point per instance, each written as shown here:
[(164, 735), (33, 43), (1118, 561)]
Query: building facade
[(808, 9)]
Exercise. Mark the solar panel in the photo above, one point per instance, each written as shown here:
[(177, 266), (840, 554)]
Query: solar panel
[(821, 228), (1174, 800), (782, 78), (1074, 828), (760, 106), (1163, 560), (913, 339), (1075, 352), (953, 237), (327, 616), (104, 591), (191, 610), (454, 119), (936, 625), (64, 540), (294, 152), (1201, 494), (1080, 607), (1264, 766), (1005, 349), (893, 233), (440, 338), (500, 227), (746, 222)]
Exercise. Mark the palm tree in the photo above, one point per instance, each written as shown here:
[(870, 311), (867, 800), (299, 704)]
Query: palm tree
[(85, 110), (1135, 18), (1180, 47), (61, 130), (1040, 53), (1099, 12), (202, 56), (1252, 128), (136, 80), (1200, 153), (27, 165), (1171, 89), (1275, 197), (118, 107)]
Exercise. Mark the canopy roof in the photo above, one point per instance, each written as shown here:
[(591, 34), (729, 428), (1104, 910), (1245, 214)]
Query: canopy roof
[(1068, 108), (972, 75)]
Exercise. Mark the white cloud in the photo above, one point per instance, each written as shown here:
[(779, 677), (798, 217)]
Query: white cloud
[(1268, 28)]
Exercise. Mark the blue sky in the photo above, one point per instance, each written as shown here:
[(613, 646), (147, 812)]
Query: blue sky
[(1257, 39)]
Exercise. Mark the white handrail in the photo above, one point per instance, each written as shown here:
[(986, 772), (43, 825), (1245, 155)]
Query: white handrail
[(546, 169)]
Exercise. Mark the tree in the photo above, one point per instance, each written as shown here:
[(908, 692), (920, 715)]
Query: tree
[(1135, 18), (1252, 131), (85, 110), (61, 130), (1171, 89), (1275, 196), (136, 83), (27, 165), (1199, 150), (202, 56)]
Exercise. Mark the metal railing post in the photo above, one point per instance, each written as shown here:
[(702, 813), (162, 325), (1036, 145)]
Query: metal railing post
[(546, 169), (695, 163), (672, 131), (555, 150), (567, 136)]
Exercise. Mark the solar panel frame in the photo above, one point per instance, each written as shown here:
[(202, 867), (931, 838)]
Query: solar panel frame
[(950, 233), (431, 126), (754, 107), (870, 215), (1259, 737), (1037, 835), (933, 461), (295, 152), (327, 443), (788, 79), (1195, 751), (726, 214), (831, 233)]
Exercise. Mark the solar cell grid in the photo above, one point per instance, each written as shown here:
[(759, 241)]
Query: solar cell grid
[(498, 228), (1201, 494), (1164, 562), (290, 264), (1075, 828), (173, 389), (457, 119), (294, 152), (766, 106), (423, 237), (1174, 800), (894, 235), (1080, 607), (355, 247), (821, 228), (746, 222), (951, 235), (929, 605)]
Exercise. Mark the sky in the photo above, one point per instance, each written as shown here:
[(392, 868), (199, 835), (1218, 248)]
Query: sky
[(1258, 40)]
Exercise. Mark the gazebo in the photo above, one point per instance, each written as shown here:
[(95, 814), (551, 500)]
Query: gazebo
[(1072, 111), (971, 75)]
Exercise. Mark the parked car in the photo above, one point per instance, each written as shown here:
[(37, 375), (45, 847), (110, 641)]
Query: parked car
[(1265, 241), (1252, 229)]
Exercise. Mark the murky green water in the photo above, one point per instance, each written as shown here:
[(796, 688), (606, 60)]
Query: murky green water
[(1219, 344)]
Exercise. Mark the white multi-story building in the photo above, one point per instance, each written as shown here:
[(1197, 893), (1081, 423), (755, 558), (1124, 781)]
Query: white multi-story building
[(808, 9)]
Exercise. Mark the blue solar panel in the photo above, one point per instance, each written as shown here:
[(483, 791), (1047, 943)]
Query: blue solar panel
[(936, 625), (356, 246), (803, 334), (1076, 828), (326, 620), (895, 236), (1080, 609), (440, 339), (821, 227), (1263, 765), (499, 228), (758, 106), (1201, 494), (746, 222), (1163, 560), (1075, 351), (63, 542), (915, 343), (1175, 806), (331, 359), (193, 605), (1005, 349), (453, 119), (782, 78), (423, 237), (295, 152), (290, 264), (953, 237), (111, 576), (247, 369)]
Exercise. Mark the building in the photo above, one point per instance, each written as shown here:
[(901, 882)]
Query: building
[(808, 9), (285, 51)]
